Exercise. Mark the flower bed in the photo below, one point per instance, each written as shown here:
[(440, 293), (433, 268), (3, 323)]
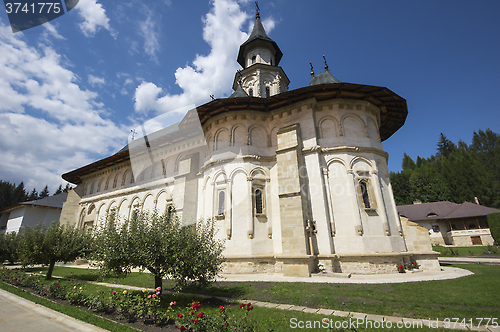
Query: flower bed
[(147, 307)]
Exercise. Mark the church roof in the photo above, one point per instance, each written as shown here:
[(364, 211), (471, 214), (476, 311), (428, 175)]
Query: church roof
[(258, 35), (239, 93), (324, 78), (393, 108)]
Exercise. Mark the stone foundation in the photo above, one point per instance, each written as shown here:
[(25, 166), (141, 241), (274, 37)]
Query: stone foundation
[(252, 265), (303, 267)]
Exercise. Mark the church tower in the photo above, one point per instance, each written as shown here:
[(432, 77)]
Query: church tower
[(259, 56)]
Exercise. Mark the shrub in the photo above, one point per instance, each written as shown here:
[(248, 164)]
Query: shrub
[(494, 224), (8, 247)]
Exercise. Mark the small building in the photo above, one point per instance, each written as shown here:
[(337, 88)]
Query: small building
[(46, 210), (450, 223)]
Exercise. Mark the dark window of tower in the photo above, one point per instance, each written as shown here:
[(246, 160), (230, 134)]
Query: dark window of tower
[(364, 192), (254, 58), (221, 203), (250, 92), (258, 201), (268, 92)]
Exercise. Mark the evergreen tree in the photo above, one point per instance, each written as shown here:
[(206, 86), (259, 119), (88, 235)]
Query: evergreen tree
[(67, 188), (445, 146), (33, 196), (59, 190), (45, 192), (408, 163), (19, 194)]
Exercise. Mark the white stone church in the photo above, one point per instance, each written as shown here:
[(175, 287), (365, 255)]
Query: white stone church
[(292, 178)]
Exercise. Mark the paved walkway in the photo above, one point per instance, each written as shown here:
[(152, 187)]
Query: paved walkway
[(20, 315), (339, 278), (470, 260)]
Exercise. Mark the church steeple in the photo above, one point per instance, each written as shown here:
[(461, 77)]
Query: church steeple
[(257, 38), (259, 56)]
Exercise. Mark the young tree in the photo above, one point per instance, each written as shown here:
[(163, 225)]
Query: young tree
[(110, 246), (161, 245), (8, 247), (58, 243)]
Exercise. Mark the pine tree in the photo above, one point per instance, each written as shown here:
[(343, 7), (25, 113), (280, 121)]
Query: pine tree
[(67, 188), (445, 146), (408, 163), (33, 196), (45, 192), (59, 190), (19, 194)]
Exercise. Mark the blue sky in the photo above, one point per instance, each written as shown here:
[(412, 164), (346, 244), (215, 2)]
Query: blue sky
[(71, 90)]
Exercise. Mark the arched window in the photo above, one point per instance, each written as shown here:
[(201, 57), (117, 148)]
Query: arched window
[(364, 193), (221, 202), (254, 59), (258, 201), (250, 92), (268, 92), (115, 181)]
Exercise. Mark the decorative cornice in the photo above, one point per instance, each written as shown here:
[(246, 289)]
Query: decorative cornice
[(211, 163), (126, 191)]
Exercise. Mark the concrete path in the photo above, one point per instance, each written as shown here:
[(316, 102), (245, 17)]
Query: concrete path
[(470, 260), (339, 278), (20, 315)]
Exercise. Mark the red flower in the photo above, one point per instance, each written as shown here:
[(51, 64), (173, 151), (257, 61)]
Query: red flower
[(192, 313), (249, 308), (242, 305), (248, 304), (196, 320), (200, 315), (182, 328), (180, 315)]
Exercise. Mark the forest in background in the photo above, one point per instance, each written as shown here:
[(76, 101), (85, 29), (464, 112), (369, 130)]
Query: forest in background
[(456, 173), (11, 194)]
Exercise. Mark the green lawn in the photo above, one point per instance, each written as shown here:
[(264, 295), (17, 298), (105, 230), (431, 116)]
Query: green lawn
[(487, 251), (473, 296)]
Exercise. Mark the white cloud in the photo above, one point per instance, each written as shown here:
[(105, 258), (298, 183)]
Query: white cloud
[(94, 17), (52, 31), (48, 124), (209, 74), (148, 30), (94, 80)]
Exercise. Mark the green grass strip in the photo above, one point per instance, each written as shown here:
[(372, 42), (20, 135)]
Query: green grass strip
[(69, 310)]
